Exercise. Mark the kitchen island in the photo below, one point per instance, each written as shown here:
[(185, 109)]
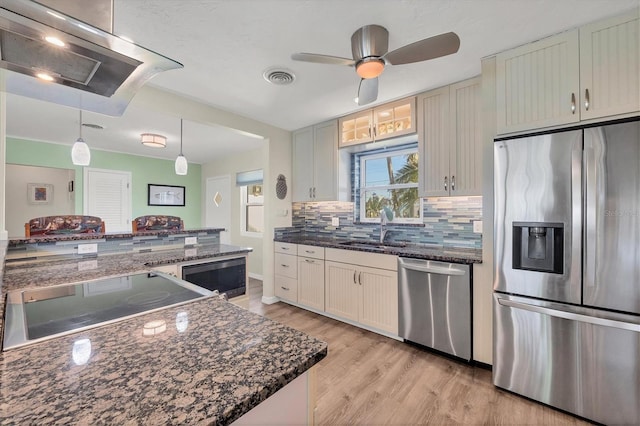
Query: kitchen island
[(214, 363)]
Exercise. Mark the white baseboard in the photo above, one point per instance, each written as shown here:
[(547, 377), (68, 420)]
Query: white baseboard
[(270, 300), (255, 276)]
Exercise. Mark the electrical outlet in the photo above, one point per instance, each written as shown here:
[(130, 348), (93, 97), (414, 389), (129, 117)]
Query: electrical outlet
[(191, 252), (335, 221), (88, 265), (477, 226), (87, 248), (190, 241)]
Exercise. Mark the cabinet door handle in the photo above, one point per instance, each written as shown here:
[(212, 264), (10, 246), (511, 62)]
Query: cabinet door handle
[(314, 192), (375, 132), (309, 192), (453, 183), (586, 99), (446, 184), (285, 288), (573, 103), (360, 278), (354, 277)]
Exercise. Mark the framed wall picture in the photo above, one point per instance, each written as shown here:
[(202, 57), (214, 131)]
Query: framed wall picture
[(165, 195), (39, 193)]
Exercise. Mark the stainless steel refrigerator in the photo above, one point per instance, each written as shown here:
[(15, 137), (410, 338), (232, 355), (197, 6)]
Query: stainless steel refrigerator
[(567, 270)]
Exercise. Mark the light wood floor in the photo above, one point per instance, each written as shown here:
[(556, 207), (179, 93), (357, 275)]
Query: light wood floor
[(368, 379)]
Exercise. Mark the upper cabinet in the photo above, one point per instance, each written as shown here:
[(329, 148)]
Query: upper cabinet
[(383, 122), (587, 73), (610, 66), (449, 133), (315, 163)]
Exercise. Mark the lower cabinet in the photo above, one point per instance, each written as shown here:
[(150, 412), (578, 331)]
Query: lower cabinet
[(286, 271), (362, 294), (311, 282), (354, 286)]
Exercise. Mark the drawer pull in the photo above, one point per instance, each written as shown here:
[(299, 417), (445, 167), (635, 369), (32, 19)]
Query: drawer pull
[(284, 266), (284, 248), (309, 261), (285, 288), (309, 251)]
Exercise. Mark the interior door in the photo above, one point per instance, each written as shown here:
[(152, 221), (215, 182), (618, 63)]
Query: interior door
[(218, 206), (107, 194)]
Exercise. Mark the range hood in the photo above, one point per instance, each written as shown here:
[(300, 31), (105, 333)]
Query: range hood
[(88, 67)]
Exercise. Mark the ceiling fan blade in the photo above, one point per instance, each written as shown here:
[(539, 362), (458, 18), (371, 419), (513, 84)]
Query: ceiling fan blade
[(367, 91), (423, 50), (322, 59)]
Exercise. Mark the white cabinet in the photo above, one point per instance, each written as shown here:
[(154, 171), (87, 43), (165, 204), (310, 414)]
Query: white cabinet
[(449, 135), (586, 73), (357, 291), (286, 271), (383, 122), (315, 165), (311, 276), (610, 66)]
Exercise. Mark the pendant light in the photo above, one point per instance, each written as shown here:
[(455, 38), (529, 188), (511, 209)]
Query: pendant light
[(181, 161), (80, 154)]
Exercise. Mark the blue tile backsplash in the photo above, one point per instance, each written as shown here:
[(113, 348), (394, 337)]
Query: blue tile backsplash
[(447, 222)]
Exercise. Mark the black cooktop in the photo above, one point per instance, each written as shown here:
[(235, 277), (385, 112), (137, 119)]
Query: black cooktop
[(51, 311)]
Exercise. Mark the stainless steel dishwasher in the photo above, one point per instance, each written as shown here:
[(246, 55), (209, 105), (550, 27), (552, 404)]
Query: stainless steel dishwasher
[(434, 305)]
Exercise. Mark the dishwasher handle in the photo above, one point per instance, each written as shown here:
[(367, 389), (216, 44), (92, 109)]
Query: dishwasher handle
[(431, 269)]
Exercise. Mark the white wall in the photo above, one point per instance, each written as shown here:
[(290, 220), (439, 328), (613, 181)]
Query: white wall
[(19, 210), (251, 160), (277, 160)]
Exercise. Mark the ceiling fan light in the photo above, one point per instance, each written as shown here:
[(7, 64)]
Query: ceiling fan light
[(181, 165), (80, 154), (153, 141), (370, 68)]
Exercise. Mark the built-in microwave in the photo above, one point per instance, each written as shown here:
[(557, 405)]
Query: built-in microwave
[(227, 276)]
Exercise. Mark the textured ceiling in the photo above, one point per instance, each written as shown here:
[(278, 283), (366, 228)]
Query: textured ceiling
[(225, 45)]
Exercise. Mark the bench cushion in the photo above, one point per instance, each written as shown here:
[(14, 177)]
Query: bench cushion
[(64, 224), (157, 222)]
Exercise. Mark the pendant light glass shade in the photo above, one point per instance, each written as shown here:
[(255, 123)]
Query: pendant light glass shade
[(181, 162), (80, 154)]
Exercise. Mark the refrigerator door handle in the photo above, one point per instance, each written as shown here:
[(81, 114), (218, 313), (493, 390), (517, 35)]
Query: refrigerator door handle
[(591, 200), (571, 315)]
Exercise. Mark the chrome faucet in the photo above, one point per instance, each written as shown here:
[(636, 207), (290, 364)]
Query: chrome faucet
[(383, 223)]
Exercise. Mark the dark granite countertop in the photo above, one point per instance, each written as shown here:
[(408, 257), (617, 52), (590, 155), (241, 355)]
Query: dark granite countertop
[(444, 254), (226, 362), (107, 236)]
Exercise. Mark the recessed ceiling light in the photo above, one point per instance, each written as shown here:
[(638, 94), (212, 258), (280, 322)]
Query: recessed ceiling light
[(55, 40), (44, 76)]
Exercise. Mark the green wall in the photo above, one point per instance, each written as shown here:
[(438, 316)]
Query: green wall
[(143, 170)]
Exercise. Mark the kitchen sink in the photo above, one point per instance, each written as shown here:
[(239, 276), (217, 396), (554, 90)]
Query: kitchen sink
[(372, 245)]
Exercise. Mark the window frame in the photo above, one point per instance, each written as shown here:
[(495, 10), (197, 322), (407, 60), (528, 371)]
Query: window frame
[(362, 189), (243, 212)]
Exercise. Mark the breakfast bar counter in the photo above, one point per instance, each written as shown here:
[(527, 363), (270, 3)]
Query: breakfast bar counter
[(214, 362), (210, 361)]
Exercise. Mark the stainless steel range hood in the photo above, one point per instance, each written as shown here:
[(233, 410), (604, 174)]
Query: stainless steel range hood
[(89, 67)]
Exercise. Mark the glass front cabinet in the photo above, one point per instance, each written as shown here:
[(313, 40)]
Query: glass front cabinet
[(383, 122)]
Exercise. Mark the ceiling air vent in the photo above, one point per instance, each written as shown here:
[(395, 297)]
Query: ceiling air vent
[(279, 76)]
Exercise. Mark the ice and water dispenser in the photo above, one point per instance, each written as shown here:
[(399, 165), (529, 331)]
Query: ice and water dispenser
[(538, 246)]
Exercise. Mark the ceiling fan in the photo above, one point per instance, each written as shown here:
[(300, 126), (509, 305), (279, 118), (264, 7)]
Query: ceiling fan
[(370, 49)]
